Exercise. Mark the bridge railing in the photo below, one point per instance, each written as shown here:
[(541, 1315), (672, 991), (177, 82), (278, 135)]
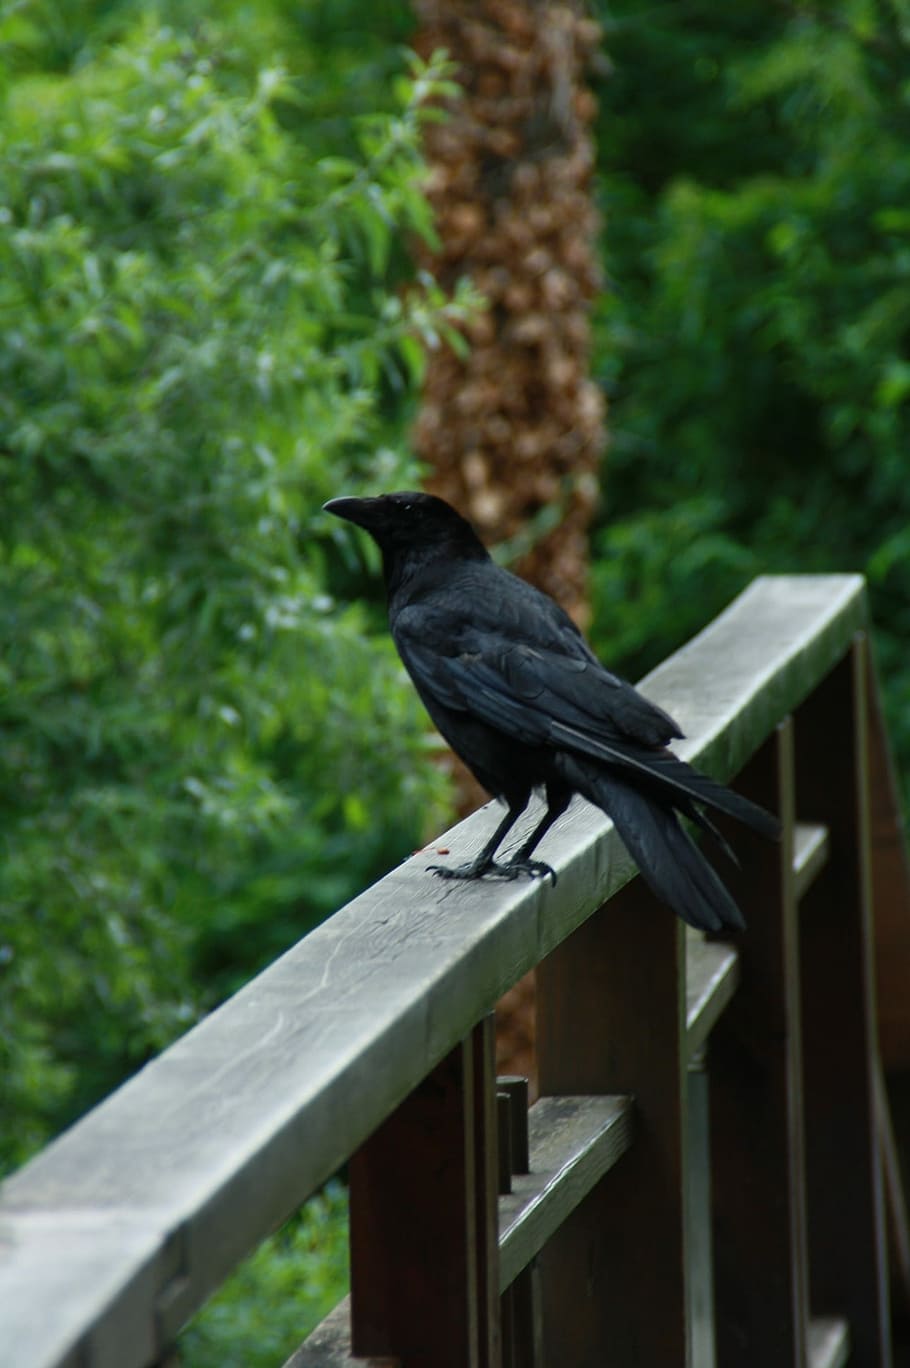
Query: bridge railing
[(701, 1178)]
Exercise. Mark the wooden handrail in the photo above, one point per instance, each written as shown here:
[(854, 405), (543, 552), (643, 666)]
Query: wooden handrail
[(127, 1222)]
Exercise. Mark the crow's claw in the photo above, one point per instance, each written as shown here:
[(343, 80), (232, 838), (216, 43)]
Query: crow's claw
[(474, 870), (536, 869)]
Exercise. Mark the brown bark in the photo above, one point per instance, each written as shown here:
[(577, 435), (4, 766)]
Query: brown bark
[(517, 427)]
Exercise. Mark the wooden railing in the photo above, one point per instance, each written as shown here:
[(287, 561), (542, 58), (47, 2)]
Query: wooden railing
[(700, 1180)]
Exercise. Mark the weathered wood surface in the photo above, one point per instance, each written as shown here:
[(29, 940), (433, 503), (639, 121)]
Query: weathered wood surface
[(330, 1345), (847, 1237), (890, 891), (420, 1285), (895, 1200), (829, 1343), (515, 1087), (575, 1140), (811, 848), (699, 1249), (756, 1101), (712, 973), (611, 1018), (573, 1143), (126, 1223)]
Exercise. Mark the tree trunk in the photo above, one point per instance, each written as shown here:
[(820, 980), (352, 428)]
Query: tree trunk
[(513, 433)]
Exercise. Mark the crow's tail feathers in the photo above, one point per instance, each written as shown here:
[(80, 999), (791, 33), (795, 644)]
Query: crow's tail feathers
[(668, 778), (670, 862), (668, 767)]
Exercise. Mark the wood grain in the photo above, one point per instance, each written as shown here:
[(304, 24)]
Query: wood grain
[(574, 1141)]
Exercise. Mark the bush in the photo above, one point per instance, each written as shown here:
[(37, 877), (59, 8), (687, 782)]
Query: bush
[(207, 338), (755, 343)]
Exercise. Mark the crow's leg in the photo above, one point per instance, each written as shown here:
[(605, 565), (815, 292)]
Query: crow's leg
[(558, 799), (483, 863)]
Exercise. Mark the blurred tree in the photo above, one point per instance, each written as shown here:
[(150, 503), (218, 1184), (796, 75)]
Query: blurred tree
[(514, 429), (203, 324)]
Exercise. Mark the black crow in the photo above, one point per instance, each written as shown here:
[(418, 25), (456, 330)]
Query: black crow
[(517, 692)]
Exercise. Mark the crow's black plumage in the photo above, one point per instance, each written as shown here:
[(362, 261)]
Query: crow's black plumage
[(517, 692)]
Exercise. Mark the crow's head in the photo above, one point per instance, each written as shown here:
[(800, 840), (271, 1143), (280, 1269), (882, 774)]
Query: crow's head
[(409, 521)]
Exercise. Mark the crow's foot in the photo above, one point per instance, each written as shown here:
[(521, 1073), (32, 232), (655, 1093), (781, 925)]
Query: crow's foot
[(474, 869), (536, 869)]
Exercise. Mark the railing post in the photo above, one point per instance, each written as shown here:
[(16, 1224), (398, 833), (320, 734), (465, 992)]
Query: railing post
[(522, 1331), (424, 1271), (847, 1250), (755, 1081), (611, 1019)]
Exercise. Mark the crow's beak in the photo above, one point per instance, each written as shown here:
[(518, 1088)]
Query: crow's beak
[(359, 511)]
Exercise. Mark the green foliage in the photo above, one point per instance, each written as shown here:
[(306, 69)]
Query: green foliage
[(204, 337), (274, 1300), (209, 327), (757, 190), (664, 573)]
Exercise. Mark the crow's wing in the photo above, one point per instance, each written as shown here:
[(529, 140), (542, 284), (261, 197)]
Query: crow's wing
[(557, 696), (556, 691)]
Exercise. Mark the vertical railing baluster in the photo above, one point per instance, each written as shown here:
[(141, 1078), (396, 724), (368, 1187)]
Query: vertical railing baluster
[(755, 1081), (611, 1019), (424, 1270), (522, 1324), (847, 1248)]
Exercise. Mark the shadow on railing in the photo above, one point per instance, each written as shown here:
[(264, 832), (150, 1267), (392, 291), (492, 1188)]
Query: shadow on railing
[(701, 1179)]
